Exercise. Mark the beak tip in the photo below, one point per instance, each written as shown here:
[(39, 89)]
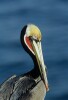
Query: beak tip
[(47, 88)]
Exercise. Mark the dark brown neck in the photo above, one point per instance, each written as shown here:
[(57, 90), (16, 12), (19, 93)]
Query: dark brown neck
[(34, 73)]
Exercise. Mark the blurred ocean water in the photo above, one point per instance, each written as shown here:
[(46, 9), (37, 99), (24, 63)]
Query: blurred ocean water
[(51, 16)]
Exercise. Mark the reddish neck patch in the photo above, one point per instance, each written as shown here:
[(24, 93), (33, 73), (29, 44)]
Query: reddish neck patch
[(28, 43)]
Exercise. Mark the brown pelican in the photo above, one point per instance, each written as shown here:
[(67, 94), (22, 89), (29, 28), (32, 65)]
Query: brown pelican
[(32, 85)]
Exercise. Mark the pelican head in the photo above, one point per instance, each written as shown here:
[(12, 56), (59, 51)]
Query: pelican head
[(32, 39)]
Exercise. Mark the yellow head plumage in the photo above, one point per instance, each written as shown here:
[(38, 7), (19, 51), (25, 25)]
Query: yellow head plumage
[(33, 31)]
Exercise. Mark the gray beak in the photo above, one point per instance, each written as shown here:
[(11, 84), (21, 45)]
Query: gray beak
[(42, 67)]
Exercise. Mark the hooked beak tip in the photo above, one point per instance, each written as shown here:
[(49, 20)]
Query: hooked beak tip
[(46, 84), (47, 88)]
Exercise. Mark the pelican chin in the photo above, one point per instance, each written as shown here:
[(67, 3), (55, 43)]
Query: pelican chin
[(32, 39), (29, 85)]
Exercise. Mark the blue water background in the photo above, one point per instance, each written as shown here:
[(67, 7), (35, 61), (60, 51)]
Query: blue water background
[(51, 16)]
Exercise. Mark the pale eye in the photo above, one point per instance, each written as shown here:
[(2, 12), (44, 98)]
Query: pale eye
[(35, 38)]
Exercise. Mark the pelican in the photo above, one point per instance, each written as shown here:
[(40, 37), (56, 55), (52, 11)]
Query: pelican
[(32, 85)]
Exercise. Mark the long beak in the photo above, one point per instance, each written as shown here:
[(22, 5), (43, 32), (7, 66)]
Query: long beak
[(39, 56)]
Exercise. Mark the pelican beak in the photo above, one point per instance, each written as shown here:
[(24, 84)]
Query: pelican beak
[(39, 56)]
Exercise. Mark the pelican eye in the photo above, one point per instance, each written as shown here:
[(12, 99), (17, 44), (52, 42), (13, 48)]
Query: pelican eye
[(33, 38)]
